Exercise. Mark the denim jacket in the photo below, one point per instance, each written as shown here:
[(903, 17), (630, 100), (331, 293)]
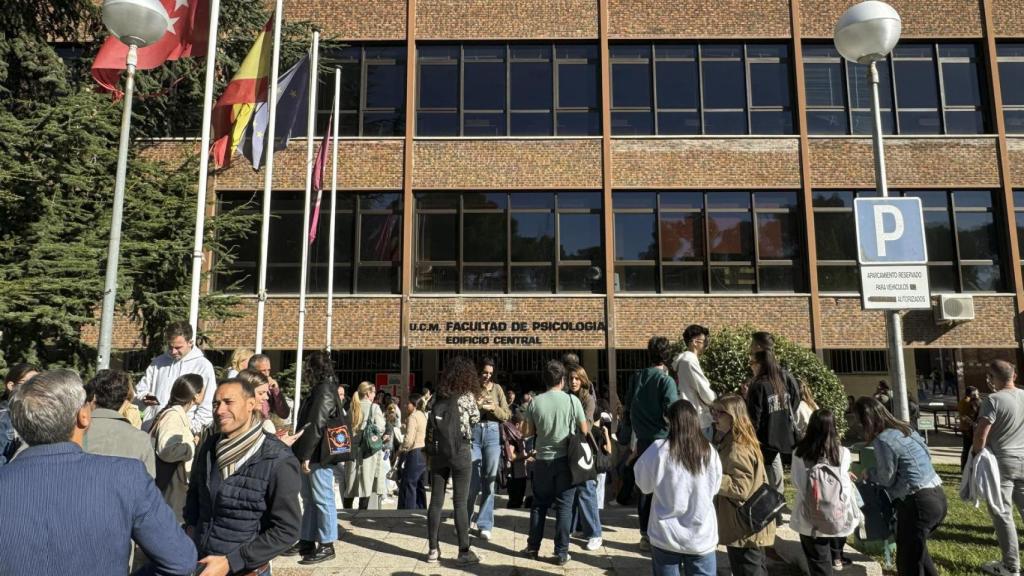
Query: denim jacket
[(902, 464)]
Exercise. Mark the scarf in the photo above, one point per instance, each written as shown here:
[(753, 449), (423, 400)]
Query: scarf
[(231, 450)]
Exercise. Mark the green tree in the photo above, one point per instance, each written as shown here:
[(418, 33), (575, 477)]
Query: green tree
[(726, 365), (58, 152)]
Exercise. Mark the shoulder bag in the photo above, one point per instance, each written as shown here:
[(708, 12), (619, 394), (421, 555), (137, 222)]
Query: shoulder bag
[(763, 506), (581, 455)]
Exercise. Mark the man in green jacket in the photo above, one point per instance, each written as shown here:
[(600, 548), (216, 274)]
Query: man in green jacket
[(652, 392)]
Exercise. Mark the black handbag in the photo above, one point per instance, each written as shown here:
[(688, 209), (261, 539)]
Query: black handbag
[(336, 444), (581, 458), (761, 508)]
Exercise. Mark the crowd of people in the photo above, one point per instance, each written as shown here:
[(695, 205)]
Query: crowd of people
[(191, 475)]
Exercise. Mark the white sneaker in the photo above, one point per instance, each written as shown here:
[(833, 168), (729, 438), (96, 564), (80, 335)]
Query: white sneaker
[(485, 535), (594, 543), (997, 568)]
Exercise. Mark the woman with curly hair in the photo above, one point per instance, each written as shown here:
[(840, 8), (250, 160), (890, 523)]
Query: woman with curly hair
[(448, 446)]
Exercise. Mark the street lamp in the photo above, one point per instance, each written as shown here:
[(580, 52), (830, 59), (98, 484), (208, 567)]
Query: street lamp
[(137, 23), (865, 34)]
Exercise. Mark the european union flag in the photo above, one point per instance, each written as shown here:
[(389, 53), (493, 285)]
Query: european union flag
[(292, 114)]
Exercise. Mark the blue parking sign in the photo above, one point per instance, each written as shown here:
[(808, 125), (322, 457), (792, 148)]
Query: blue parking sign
[(890, 231)]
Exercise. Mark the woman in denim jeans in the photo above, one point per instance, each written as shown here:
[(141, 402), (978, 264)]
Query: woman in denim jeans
[(904, 468)]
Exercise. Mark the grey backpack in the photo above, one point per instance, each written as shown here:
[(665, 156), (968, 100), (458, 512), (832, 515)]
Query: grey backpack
[(826, 503)]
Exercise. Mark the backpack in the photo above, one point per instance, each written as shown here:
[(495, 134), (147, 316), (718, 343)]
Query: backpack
[(826, 504), (372, 439), (444, 439)]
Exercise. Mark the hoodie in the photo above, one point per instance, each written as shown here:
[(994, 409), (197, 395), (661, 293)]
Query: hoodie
[(159, 379)]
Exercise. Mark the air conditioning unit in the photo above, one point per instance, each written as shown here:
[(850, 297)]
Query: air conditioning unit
[(955, 308)]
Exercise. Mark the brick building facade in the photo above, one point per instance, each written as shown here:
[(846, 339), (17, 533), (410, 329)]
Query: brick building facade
[(414, 324)]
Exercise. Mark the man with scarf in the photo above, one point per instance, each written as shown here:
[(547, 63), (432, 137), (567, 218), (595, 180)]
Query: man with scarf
[(243, 498)]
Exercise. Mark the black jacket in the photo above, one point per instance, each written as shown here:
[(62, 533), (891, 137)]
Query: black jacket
[(321, 406), (254, 515), (773, 418)]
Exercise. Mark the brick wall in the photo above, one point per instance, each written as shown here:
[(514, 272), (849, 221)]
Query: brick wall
[(696, 19), (499, 19), (910, 162), (1008, 17), (1016, 149), (929, 19), (351, 19), (362, 164), (424, 311), (845, 325), (127, 334), (359, 323), (731, 162), (513, 163), (639, 318)]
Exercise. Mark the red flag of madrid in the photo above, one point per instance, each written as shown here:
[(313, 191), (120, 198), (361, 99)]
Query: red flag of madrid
[(186, 36)]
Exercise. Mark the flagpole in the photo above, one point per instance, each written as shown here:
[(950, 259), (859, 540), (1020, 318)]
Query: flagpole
[(334, 203), (310, 134), (268, 177), (204, 168)]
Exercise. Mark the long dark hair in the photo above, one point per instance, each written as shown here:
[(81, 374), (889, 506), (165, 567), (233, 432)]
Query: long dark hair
[(821, 440), (183, 391), (319, 368), (14, 374), (459, 377), (875, 419), (771, 371), (686, 442)]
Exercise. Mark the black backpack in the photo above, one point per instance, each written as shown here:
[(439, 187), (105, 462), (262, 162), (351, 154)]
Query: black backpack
[(444, 440)]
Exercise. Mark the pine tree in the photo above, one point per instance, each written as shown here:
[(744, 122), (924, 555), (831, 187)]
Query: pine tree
[(58, 152)]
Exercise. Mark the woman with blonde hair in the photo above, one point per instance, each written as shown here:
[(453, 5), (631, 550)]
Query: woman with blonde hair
[(743, 472), (364, 475), (586, 518), (807, 407), (239, 361)]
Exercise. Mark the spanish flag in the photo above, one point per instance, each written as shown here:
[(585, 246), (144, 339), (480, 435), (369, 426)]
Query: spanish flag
[(247, 88)]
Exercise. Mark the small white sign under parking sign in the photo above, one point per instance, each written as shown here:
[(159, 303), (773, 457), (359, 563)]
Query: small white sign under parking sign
[(895, 287)]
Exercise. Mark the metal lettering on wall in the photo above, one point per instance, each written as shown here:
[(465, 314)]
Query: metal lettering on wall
[(502, 333)]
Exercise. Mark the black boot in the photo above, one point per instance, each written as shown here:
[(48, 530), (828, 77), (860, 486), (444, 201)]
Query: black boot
[(323, 553), (302, 547)]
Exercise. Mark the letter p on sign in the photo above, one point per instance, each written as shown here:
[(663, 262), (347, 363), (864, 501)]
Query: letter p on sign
[(890, 231), (883, 234)]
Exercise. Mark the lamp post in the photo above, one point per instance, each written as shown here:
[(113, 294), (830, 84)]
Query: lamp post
[(137, 23), (865, 34)]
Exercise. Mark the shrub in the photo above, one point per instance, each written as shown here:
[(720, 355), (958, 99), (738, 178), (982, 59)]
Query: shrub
[(725, 363)]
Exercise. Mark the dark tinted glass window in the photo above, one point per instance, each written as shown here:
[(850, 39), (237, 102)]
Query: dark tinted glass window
[(1011, 81), (372, 99), (668, 88), (508, 89), (509, 242), (718, 241), (937, 88)]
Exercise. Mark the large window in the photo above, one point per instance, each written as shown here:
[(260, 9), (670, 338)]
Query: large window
[(923, 89), (1011, 79), (473, 242), (1018, 208), (372, 90), (367, 244), (673, 88), (960, 232), (719, 241), (508, 90)]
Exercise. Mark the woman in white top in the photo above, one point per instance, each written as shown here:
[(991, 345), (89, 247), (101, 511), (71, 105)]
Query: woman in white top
[(684, 474), (825, 514), (174, 443)]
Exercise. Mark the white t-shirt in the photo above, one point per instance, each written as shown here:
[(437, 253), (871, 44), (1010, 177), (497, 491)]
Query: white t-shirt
[(683, 518)]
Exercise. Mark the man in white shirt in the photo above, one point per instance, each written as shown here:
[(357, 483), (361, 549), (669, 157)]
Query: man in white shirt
[(182, 357), (693, 386)]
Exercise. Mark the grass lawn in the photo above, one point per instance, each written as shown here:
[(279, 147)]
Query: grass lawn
[(966, 539)]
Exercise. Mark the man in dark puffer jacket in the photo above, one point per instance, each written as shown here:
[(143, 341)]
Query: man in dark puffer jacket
[(243, 499)]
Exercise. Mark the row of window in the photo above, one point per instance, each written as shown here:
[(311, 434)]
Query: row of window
[(666, 88), (668, 241)]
